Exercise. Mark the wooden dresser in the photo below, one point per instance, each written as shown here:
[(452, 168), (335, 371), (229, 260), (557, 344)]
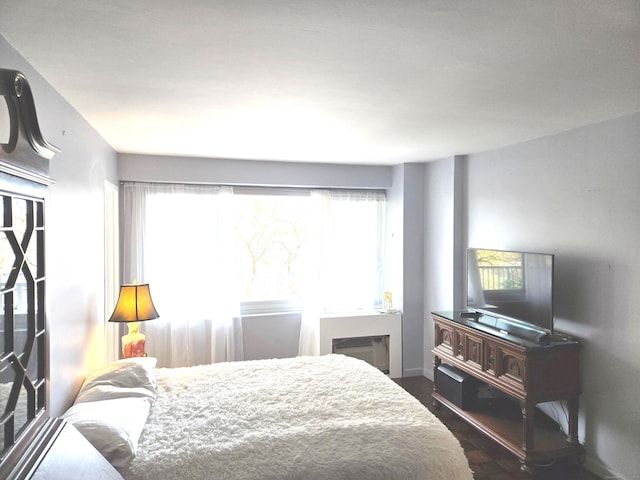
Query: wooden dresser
[(526, 371)]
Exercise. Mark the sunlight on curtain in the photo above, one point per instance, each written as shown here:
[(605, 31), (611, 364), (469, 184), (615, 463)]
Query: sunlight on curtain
[(176, 238), (188, 242), (344, 261), (351, 253)]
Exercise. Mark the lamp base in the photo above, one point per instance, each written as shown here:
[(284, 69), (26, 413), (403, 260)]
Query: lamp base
[(133, 342)]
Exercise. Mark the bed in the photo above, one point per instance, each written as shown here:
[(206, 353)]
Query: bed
[(327, 417)]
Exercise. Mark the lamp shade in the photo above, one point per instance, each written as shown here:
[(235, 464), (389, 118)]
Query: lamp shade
[(134, 304)]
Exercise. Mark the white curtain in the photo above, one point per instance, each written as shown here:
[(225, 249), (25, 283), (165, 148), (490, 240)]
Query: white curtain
[(344, 264), (177, 239), (313, 290)]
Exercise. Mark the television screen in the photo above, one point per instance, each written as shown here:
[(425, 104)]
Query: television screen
[(517, 286)]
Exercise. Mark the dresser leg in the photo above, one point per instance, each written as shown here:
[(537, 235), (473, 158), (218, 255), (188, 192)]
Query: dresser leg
[(572, 434), (436, 363), (529, 468), (528, 414)]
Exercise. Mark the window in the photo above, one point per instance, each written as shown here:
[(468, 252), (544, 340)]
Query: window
[(270, 236), (290, 242), (280, 247)]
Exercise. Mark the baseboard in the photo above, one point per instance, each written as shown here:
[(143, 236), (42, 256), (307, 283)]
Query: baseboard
[(418, 372), (413, 372), (598, 468)]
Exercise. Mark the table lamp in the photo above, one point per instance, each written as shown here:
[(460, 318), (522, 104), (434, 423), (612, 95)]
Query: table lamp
[(134, 306)]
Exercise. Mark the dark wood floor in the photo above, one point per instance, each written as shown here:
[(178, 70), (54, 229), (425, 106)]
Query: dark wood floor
[(488, 460)]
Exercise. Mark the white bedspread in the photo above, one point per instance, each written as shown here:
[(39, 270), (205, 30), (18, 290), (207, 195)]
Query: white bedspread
[(330, 417)]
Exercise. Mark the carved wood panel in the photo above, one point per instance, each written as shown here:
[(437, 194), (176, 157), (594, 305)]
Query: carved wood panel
[(473, 350), (459, 344), (445, 339), (490, 356), (512, 367)]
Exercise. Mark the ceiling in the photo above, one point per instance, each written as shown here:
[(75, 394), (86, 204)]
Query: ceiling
[(351, 81)]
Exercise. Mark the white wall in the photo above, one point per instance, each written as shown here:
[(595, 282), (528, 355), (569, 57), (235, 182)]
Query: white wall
[(405, 252), (270, 335), (439, 220), (575, 195), (394, 258), (74, 237), (251, 172), (413, 270)]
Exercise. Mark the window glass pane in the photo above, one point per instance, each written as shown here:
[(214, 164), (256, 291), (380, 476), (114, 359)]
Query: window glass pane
[(7, 378), (20, 306), (3, 326), (180, 252), (7, 259), (21, 413), (270, 233), (19, 208), (5, 121), (354, 254), (31, 254), (32, 365), (275, 241), (39, 306)]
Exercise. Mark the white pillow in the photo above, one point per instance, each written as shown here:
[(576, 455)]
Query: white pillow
[(97, 392), (129, 377), (112, 426)]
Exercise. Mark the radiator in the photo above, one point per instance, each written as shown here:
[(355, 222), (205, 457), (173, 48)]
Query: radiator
[(373, 349)]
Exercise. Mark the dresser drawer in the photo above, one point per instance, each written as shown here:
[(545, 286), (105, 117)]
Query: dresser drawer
[(512, 368), (445, 340), (496, 362), (490, 358), (473, 351)]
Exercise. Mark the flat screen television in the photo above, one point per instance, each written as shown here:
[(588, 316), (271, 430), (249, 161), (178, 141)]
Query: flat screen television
[(511, 285)]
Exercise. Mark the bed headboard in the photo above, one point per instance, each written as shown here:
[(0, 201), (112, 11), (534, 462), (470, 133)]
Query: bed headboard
[(24, 356)]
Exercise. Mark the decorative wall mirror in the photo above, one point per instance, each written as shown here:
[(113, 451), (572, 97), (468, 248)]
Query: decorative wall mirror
[(24, 362)]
